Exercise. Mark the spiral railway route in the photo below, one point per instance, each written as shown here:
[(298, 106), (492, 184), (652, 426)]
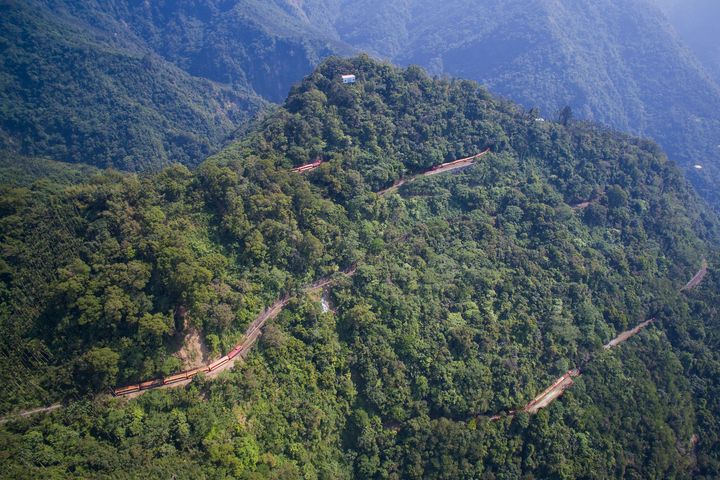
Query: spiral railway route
[(437, 169), (554, 391), (225, 362), (254, 331)]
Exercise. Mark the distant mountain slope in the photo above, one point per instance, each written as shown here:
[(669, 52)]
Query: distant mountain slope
[(613, 61), (263, 45), (617, 62), (696, 21), (138, 85), (24, 171), (73, 95)]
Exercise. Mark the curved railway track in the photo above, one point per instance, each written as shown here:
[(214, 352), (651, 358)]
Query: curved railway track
[(554, 391), (254, 330), (239, 351), (437, 169)]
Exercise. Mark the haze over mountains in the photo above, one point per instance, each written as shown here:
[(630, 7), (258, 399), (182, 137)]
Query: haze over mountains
[(617, 62), (374, 279), (696, 21), (139, 85)]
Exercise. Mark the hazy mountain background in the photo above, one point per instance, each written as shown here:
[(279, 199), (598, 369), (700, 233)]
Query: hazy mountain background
[(135, 85), (618, 62), (696, 21)]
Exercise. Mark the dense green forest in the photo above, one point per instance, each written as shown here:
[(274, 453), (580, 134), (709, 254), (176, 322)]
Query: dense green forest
[(137, 85), (619, 63), (474, 290), (76, 94)]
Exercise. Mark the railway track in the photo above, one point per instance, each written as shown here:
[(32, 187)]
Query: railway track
[(226, 362), (442, 168), (32, 411), (254, 331), (697, 279), (559, 386)]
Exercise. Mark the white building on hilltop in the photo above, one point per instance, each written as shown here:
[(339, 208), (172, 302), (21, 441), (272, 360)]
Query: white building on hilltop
[(348, 78)]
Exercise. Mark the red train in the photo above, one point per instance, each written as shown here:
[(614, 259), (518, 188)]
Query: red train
[(187, 374), (307, 167)]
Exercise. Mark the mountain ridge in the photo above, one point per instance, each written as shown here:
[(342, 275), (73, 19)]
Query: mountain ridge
[(473, 291)]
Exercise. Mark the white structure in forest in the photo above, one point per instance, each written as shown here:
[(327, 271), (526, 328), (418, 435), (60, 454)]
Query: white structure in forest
[(348, 78)]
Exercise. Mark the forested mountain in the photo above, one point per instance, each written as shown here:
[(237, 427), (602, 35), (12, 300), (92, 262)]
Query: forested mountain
[(472, 292), (616, 62), (262, 45), (142, 84), (196, 67), (696, 23)]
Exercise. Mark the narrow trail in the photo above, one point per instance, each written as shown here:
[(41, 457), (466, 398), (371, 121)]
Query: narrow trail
[(554, 391), (442, 168), (27, 413)]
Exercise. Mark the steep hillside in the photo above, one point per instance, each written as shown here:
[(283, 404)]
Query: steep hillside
[(616, 62), (72, 94), (265, 46), (24, 171), (139, 85), (473, 290), (696, 23)]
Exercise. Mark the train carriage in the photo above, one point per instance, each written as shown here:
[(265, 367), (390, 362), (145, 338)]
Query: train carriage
[(179, 377), (125, 390), (235, 351), (155, 382), (219, 363)]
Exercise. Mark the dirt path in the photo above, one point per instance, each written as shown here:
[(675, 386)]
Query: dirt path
[(698, 278), (443, 168), (27, 413)]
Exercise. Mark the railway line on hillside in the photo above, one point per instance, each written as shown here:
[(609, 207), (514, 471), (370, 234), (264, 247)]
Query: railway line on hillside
[(559, 386), (442, 168), (239, 351), (254, 330)]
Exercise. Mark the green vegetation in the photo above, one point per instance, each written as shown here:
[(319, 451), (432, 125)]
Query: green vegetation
[(619, 63), (474, 290), (137, 85), (76, 95), (19, 171)]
